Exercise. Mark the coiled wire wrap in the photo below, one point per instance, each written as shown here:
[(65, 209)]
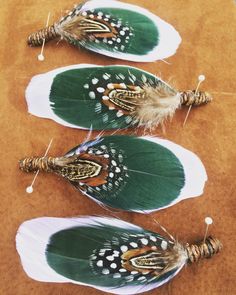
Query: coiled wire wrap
[(33, 164), (206, 249), (190, 97), (36, 39)]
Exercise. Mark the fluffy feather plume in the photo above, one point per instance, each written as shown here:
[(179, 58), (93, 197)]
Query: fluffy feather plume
[(160, 103)]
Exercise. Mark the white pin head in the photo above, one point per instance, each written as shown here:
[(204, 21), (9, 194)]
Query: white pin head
[(208, 220), (29, 189), (201, 78), (41, 57)]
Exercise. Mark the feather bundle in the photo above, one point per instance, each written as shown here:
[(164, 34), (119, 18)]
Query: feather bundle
[(108, 97), (105, 253), (141, 174), (115, 29)]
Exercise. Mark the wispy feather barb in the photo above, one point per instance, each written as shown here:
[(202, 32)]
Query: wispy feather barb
[(160, 103)]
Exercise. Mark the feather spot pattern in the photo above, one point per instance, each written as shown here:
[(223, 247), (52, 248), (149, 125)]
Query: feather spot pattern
[(122, 257), (97, 27), (142, 103), (117, 171)]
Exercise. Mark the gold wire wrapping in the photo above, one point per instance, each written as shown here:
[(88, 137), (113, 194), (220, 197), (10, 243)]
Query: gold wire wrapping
[(33, 164), (206, 249), (36, 39), (190, 97)]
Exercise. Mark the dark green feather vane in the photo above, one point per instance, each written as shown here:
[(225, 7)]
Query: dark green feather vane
[(129, 173), (106, 253), (139, 172), (106, 97)]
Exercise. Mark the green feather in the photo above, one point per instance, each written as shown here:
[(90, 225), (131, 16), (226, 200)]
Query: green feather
[(149, 175), (75, 98), (74, 253), (137, 43)]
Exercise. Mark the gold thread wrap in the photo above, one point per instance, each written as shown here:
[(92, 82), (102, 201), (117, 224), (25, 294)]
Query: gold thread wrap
[(48, 33), (34, 164), (206, 249), (190, 97)]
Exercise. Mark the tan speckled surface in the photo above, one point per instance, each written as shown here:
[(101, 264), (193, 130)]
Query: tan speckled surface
[(208, 31)]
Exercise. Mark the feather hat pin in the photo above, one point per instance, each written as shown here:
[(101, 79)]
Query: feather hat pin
[(105, 253), (141, 174), (107, 97), (115, 29)]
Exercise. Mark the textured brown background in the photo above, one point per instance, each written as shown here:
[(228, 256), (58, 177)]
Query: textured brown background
[(208, 47)]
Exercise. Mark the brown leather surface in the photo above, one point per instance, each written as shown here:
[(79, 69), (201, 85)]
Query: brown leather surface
[(208, 32)]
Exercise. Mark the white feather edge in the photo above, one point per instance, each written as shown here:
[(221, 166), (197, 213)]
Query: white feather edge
[(194, 171), (169, 37), (32, 239), (38, 92)]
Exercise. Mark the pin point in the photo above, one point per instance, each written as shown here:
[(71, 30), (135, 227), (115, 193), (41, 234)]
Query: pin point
[(223, 93), (30, 188), (201, 78)]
